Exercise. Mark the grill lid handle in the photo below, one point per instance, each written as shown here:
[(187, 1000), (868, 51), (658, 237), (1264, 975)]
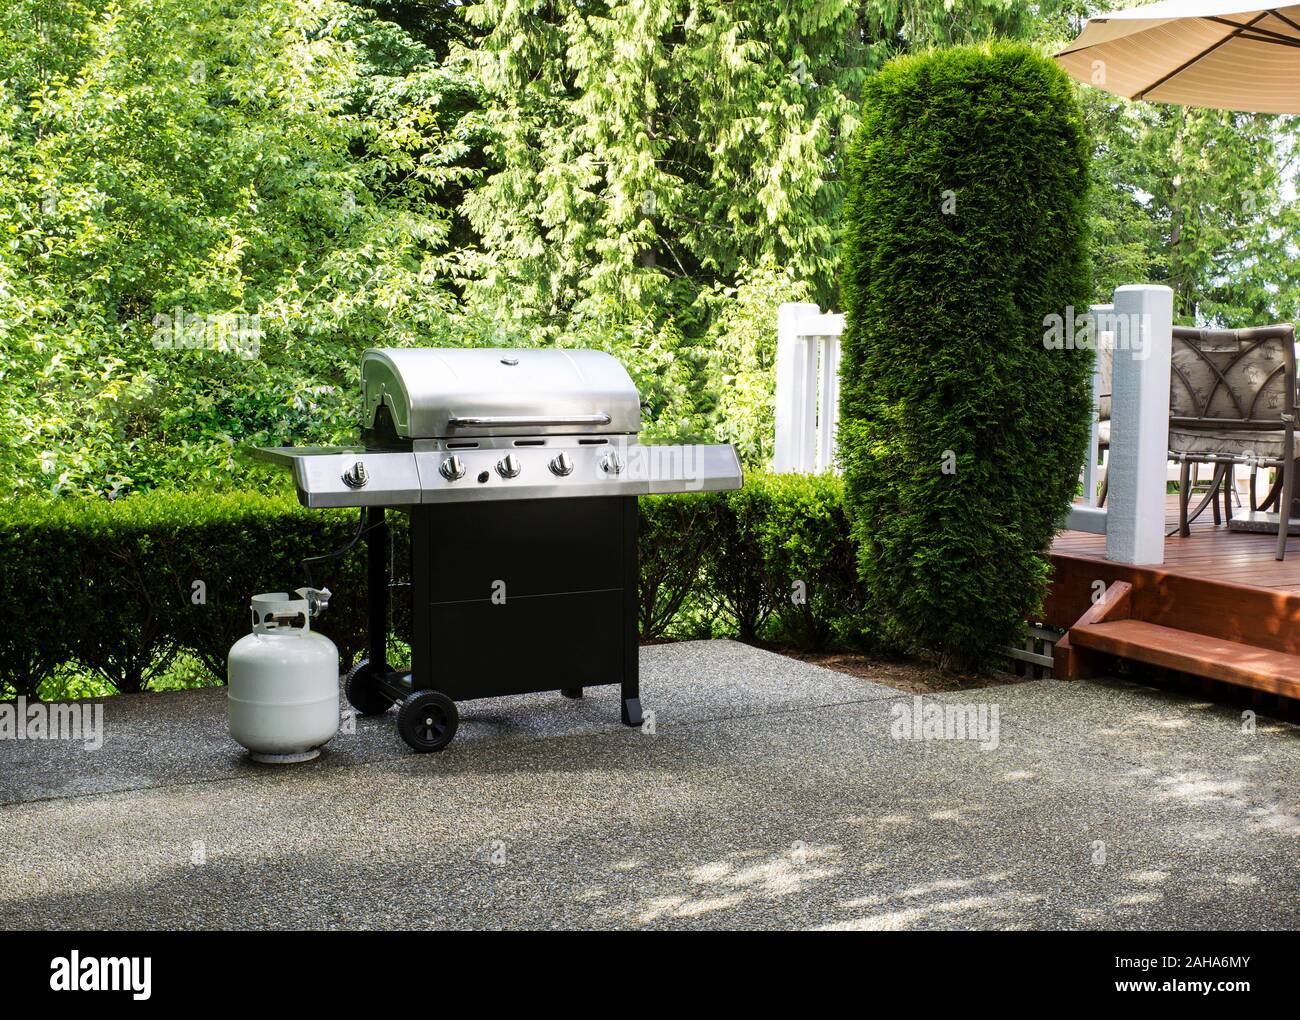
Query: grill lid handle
[(526, 421)]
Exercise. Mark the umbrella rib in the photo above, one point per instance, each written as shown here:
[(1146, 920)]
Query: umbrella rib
[(1263, 34), (1272, 40), (1282, 17), (1203, 54)]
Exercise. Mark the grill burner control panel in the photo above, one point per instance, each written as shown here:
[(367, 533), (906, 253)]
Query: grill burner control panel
[(358, 477)]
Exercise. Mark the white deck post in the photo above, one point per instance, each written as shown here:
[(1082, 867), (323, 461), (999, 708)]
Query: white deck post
[(795, 449), (1139, 424)]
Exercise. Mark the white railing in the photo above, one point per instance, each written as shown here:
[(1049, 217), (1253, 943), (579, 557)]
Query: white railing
[(1140, 323), (807, 388), (1092, 469)]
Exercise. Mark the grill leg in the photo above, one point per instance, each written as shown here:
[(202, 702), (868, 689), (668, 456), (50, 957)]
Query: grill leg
[(377, 585), (631, 655)]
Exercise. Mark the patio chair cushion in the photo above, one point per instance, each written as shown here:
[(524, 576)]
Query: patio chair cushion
[(1239, 445), (1227, 377), (1230, 374)]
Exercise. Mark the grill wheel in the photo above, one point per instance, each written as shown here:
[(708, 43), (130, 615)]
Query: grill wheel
[(427, 720), (363, 693)]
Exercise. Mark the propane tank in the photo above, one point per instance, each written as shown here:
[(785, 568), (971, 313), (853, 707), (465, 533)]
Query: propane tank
[(284, 680)]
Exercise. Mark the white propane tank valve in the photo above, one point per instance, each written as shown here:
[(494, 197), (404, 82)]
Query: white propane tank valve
[(284, 680)]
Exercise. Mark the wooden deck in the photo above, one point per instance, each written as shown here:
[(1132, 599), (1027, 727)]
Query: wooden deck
[(1210, 552), (1219, 607)]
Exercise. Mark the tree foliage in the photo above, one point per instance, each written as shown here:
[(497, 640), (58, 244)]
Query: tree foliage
[(1204, 201), (648, 148), (200, 163), (1219, 214), (650, 178), (604, 175)]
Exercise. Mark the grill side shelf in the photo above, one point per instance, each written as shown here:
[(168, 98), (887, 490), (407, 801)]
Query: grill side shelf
[(706, 468), (348, 476), (286, 456)]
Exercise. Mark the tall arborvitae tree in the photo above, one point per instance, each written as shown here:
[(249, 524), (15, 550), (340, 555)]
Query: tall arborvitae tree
[(961, 432)]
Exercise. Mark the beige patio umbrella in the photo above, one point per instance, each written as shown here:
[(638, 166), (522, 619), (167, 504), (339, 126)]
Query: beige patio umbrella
[(1215, 53), (1219, 53)]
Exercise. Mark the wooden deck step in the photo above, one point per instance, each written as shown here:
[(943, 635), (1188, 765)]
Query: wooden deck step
[(1198, 654)]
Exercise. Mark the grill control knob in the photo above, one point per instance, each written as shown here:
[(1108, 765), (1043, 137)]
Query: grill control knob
[(509, 466), (356, 476), (611, 463), (452, 468), (562, 465)]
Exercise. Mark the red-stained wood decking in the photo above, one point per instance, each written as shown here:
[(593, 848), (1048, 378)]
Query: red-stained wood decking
[(1232, 662), (1210, 552), (1220, 606)]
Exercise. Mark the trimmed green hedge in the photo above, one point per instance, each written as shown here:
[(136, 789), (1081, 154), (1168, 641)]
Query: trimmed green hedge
[(108, 588), (111, 586), (809, 560), (960, 434)]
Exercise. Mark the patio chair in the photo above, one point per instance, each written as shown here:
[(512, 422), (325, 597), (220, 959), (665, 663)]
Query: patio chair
[(1232, 400)]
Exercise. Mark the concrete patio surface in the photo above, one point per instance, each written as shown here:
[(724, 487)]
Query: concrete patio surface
[(771, 794)]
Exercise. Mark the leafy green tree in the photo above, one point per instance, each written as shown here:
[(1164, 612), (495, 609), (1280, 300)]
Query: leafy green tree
[(1222, 218), (651, 179), (164, 161), (649, 149)]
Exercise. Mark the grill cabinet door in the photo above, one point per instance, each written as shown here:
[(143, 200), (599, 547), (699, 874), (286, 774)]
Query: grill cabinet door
[(512, 597)]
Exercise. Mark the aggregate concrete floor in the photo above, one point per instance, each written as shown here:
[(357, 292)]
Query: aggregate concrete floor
[(770, 794)]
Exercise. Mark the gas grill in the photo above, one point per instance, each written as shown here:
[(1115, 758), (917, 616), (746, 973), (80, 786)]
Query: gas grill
[(520, 470)]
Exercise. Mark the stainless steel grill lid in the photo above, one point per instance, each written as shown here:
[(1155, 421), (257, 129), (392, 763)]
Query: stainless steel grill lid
[(437, 394)]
